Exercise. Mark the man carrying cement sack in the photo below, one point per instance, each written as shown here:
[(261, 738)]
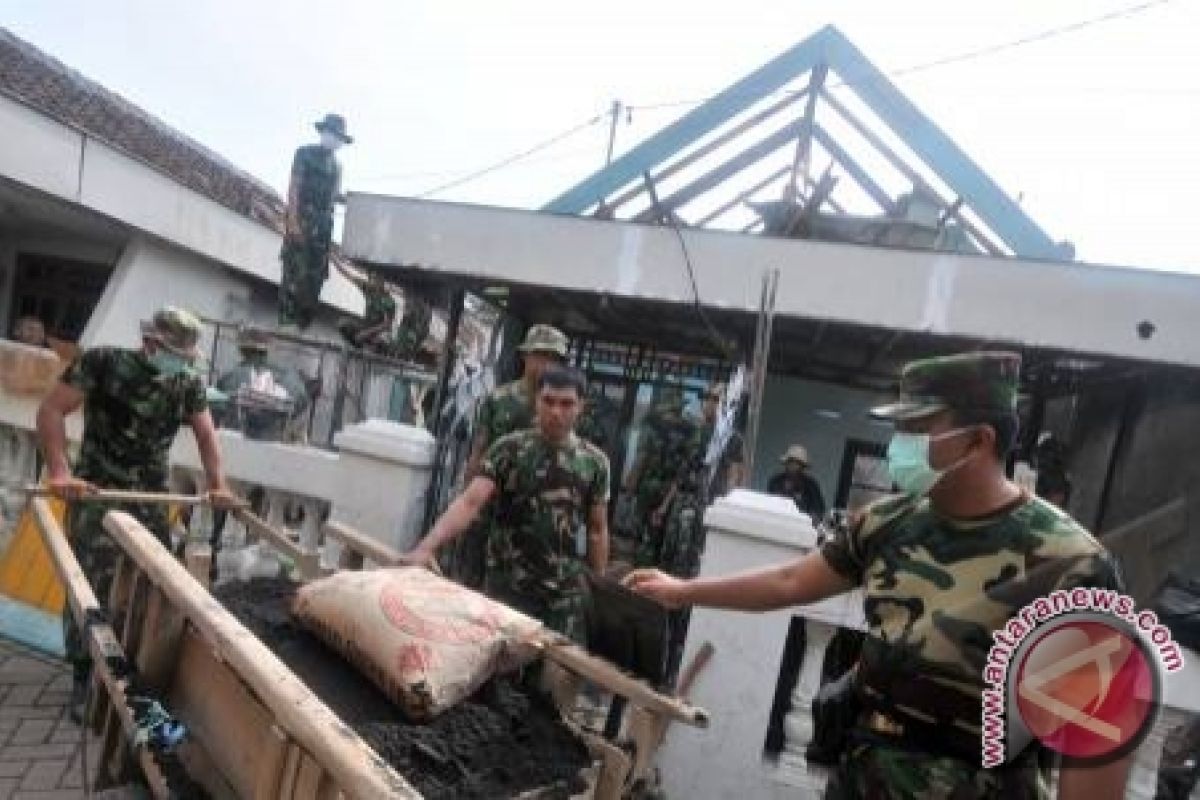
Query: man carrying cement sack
[(548, 485), (943, 566), (134, 402)]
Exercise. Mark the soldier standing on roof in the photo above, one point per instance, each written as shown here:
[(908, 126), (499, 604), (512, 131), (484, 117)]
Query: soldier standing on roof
[(942, 566), (133, 404), (547, 485), (308, 228)]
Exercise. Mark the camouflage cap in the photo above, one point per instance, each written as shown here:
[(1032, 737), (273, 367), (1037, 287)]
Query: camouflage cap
[(253, 339), (176, 329), (980, 382), (545, 339)]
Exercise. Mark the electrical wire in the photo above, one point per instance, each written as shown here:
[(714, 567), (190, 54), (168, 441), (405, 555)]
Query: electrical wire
[(718, 341), (504, 162), (970, 55)]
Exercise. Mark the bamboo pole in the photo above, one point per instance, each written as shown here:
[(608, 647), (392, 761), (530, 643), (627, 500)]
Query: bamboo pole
[(358, 770), (101, 641), (307, 562), (121, 496)]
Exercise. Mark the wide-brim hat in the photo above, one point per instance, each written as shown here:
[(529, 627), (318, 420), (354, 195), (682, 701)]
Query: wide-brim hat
[(335, 124), (176, 330), (796, 452), (545, 339), (985, 382)]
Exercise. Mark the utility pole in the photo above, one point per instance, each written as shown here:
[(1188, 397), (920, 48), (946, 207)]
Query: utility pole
[(612, 131)]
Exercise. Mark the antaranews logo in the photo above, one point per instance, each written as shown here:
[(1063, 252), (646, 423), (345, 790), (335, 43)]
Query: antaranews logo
[(1079, 670)]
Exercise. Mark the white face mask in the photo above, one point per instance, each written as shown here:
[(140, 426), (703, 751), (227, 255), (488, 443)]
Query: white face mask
[(331, 141), (908, 462)]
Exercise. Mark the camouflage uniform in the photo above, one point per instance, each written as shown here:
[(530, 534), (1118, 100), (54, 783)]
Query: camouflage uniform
[(131, 414), (414, 327), (544, 495), (669, 440), (509, 408), (380, 308), (935, 590), (316, 176), (600, 422)]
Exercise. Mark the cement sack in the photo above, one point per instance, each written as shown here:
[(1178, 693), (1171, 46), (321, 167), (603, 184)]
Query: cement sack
[(426, 642)]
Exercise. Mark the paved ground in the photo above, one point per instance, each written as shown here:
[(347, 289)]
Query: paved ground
[(39, 745)]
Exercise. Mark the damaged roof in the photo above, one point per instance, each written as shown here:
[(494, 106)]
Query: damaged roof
[(34, 78)]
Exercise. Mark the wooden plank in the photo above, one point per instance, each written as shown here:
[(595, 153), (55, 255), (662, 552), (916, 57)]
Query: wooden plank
[(162, 630), (308, 781), (131, 627), (270, 765), (354, 540), (100, 640), (608, 676), (357, 768), (291, 768), (219, 710)]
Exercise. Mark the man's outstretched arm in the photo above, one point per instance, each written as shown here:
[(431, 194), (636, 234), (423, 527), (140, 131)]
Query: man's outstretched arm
[(453, 522), (806, 580)]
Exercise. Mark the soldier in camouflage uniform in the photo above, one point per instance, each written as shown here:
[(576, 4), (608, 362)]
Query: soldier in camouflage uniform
[(683, 539), (506, 409), (133, 403), (547, 486), (379, 311), (942, 566), (668, 441), (308, 228)]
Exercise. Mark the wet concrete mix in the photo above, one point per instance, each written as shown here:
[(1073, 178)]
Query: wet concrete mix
[(504, 740)]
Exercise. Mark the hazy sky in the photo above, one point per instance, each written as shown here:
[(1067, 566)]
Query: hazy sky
[(1097, 130)]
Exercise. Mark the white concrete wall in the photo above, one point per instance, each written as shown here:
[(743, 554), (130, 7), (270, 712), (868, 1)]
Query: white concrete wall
[(725, 760), (61, 161), (796, 411), (150, 274)]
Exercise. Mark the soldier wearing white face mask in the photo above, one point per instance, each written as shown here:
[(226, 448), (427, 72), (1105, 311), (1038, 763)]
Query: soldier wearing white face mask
[(308, 228), (942, 566)]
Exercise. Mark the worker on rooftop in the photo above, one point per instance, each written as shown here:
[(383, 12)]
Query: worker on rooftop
[(134, 402), (943, 566), (314, 187), (546, 484)]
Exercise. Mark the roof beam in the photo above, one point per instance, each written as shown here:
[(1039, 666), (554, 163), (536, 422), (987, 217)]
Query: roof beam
[(852, 167), (706, 117), (709, 147), (903, 167), (747, 158), (952, 165)]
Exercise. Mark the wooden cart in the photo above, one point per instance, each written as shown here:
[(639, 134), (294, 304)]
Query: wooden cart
[(257, 732)]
